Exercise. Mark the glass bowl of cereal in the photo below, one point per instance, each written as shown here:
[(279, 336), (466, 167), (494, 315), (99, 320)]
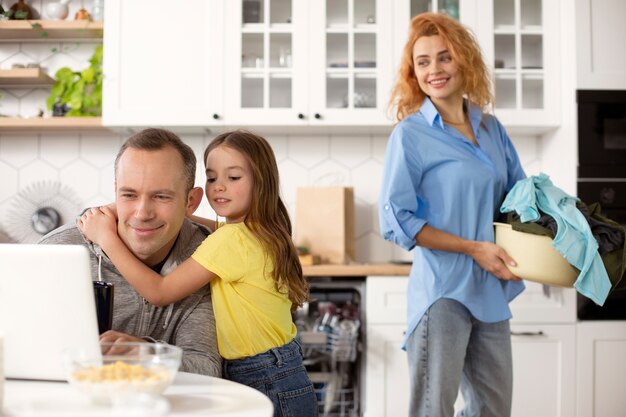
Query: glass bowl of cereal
[(123, 370)]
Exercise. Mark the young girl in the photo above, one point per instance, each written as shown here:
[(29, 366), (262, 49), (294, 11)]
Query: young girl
[(251, 263)]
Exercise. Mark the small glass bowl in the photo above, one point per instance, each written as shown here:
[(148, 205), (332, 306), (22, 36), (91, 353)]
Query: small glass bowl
[(123, 370)]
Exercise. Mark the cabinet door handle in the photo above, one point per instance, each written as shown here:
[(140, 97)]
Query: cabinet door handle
[(317, 116), (300, 116), (216, 116), (535, 334)]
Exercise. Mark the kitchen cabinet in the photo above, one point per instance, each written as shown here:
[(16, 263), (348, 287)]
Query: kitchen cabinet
[(308, 62), (387, 386), (163, 64), (599, 28), (543, 338), (523, 54), (539, 304), (543, 343), (601, 369), (518, 45), (387, 389), (387, 376), (247, 63), (544, 376)]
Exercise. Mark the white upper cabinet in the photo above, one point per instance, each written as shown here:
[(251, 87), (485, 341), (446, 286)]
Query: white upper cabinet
[(523, 53), (600, 37), (163, 63), (297, 62), (308, 62), (519, 46)]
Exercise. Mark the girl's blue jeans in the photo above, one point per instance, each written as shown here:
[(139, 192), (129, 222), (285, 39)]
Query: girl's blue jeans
[(279, 374), (449, 350)]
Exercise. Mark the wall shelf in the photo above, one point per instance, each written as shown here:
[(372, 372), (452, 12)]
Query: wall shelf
[(46, 30), (56, 124), (25, 77)]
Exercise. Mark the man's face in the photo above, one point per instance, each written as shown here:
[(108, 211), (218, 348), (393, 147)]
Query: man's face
[(152, 201)]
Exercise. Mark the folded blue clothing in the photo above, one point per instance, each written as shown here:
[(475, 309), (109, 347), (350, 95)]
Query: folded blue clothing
[(573, 239)]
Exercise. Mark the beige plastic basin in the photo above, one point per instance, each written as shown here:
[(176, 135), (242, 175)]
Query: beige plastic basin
[(536, 259)]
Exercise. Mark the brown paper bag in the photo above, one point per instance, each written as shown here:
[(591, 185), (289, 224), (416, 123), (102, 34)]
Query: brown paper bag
[(325, 222)]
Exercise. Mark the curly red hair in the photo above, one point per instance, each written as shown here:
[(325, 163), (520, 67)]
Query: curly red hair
[(407, 96)]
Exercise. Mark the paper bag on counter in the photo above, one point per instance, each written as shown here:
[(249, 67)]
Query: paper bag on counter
[(325, 222)]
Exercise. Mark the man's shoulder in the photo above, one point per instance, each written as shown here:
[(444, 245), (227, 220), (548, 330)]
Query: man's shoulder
[(66, 234), (191, 235)]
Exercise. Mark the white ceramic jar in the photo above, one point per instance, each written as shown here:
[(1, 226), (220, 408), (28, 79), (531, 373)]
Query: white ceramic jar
[(57, 10)]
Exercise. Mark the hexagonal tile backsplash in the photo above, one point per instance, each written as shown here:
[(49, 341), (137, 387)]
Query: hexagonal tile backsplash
[(84, 162)]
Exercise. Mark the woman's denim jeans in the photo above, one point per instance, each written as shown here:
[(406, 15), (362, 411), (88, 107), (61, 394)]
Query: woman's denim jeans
[(449, 350), (279, 374)]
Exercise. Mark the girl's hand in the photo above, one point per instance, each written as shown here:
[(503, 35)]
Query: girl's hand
[(99, 225), (494, 260), (113, 208)]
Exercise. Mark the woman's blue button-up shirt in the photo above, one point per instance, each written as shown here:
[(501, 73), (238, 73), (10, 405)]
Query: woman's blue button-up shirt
[(434, 175)]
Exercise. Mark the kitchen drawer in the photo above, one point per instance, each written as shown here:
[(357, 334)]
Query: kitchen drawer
[(386, 299), (539, 305), (386, 302)]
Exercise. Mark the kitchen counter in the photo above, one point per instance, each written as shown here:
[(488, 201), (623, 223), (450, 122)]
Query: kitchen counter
[(356, 270)]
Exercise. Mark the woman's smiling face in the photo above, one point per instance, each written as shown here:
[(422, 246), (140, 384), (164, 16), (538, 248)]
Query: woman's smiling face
[(436, 71)]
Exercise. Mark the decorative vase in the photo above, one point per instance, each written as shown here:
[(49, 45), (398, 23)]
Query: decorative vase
[(60, 109), (82, 14), (21, 11), (57, 10)]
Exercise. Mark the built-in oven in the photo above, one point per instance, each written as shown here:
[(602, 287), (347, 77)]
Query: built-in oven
[(601, 133), (602, 175)]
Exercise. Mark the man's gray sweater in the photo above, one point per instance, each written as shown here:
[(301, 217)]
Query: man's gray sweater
[(189, 323)]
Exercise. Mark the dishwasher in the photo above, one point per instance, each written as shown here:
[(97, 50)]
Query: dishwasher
[(330, 330)]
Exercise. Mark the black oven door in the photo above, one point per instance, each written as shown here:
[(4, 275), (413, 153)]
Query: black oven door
[(601, 133), (611, 194)]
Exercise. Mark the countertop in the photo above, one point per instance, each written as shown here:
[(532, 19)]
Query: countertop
[(356, 270)]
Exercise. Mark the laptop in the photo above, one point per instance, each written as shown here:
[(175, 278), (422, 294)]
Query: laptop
[(47, 306)]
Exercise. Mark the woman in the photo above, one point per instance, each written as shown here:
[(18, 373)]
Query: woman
[(448, 168)]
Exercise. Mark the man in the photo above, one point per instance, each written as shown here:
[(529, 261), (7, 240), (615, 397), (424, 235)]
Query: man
[(154, 187)]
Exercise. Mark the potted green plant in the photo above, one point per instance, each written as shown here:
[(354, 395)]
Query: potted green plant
[(78, 93)]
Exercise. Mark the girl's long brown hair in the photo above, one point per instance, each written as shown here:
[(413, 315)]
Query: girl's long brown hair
[(268, 218), (407, 95)]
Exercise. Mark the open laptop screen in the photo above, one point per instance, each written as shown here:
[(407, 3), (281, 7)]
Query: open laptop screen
[(46, 306)]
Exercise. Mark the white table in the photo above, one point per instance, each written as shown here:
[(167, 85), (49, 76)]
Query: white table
[(189, 395)]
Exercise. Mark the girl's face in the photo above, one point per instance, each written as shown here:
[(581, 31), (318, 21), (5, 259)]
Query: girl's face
[(229, 183), (437, 73)]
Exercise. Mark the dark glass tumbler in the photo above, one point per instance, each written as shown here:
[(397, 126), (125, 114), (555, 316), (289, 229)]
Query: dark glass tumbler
[(103, 291)]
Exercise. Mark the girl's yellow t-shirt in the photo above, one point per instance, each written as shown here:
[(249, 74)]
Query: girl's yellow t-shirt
[(251, 316)]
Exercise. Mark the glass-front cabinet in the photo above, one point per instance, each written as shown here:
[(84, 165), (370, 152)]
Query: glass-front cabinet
[(451, 7), (265, 74), (297, 62), (519, 45), (524, 61)]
